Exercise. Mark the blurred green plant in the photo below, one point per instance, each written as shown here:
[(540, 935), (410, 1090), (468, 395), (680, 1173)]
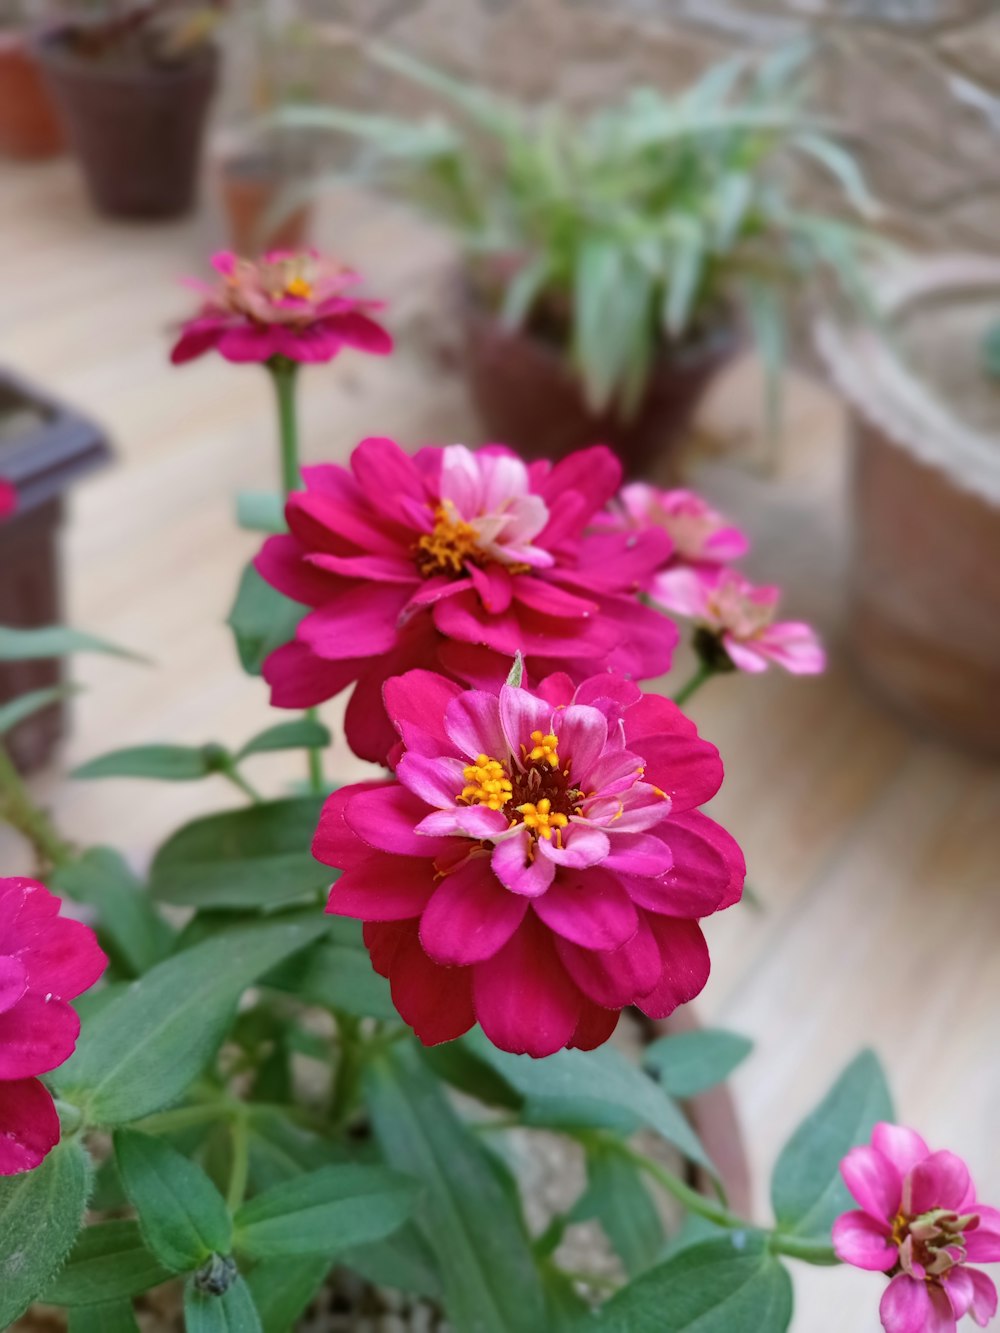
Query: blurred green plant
[(991, 351), (641, 227)]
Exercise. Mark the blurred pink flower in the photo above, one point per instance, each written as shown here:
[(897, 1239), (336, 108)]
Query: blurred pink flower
[(699, 533), (919, 1221), (45, 961), (8, 498), (734, 616), (539, 861), (286, 304)]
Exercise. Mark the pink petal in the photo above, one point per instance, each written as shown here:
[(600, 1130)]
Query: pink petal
[(24, 905), (369, 732), (984, 1296), (416, 702), (36, 1035), (642, 854), (519, 868), (438, 780), (582, 846), (907, 1307), (374, 568), (613, 695), (383, 888), (541, 594), (939, 1181), (697, 882), (523, 998), (383, 938), (472, 722), (436, 1001), (13, 982), (859, 1240), (589, 908), (63, 960), (470, 915), (300, 679), (873, 1181), (283, 563), (983, 1244), (494, 586), (335, 842), (29, 1125), (903, 1147), (688, 769), (195, 340), (684, 964), (357, 623), (589, 476), (355, 329), (249, 342), (521, 714), (467, 821), (386, 817), (387, 476), (744, 655), (326, 520), (616, 977), (583, 734), (794, 646), (595, 1027)]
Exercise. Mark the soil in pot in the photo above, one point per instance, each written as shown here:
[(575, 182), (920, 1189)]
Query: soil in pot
[(29, 127), (529, 397), (252, 187), (136, 127)]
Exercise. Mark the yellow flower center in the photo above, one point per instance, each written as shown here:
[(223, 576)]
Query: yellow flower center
[(298, 286), (452, 542), (544, 751), (526, 796), (538, 816), (488, 783)]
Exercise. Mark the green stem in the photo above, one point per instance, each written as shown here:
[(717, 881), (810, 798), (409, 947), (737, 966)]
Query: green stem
[(19, 810), (238, 780), (239, 1134), (348, 1070), (284, 374), (800, 1247), (704, 673)]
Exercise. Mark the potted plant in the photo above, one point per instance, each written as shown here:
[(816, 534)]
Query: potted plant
[(611, 260), (133, 83), (29, 127), (925, 413)]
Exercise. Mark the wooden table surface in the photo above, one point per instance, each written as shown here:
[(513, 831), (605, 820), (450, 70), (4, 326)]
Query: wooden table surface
[(874, 853)]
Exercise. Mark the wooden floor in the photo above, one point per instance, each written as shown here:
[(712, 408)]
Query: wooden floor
[(874, 854)]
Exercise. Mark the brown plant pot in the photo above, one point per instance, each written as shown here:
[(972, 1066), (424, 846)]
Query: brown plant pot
[(251, 187), (29, 127), (44, 447), (136, 129), (925, 575), (529, 398)]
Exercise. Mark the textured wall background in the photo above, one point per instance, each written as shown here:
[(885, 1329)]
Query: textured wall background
[(918, 81)]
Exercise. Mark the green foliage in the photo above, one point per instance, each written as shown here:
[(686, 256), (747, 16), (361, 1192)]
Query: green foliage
[(617, 1196), (301, 734), (991, 351), (691, 1062), (27, 705), (282, 1288), (342, 978), (807, 1192), (261, 620), (41, 1212), (107, 1317), (27, 645), (182, 1216), (639, 226), (257, 856), (231, 1312), (167, 763), (261, 511), (109, 1262), (718, 1286)]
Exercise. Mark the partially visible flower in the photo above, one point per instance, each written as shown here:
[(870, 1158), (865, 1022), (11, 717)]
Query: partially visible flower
[(8, 498), (735, 624), (455, 561), (538, 862), (45, 961), (699, 533), (920, 1223), (291, 304)]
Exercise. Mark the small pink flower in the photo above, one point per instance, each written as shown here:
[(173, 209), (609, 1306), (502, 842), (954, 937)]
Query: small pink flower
[(455, 561), (919, 1222), (538, 861), (8, 499), (736, 619), (45, 961), (699, 533), (286, 304)]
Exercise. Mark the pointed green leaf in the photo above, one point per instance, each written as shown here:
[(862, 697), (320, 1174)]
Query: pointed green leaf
[(342, 978), (261, 620), (617, 1196), (403, 1261), (27, 705), (167, 763), (109, 1262), (302, 734), (107, 1317), (690, 1062), (282, 1288), (127, 920), (232, 1312), (261, 511), (27, 645)]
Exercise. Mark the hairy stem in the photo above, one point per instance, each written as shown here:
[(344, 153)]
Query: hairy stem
[(18, 809)]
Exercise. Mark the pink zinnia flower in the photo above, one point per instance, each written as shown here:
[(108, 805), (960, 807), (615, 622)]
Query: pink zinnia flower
[(45, 961), (920, 1222), (294, 305), (538, 862), (8, 498), (455, 561), (699, 534), (735, 621)]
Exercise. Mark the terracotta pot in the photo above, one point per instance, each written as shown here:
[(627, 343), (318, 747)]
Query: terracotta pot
[(29, 127), (529, 397), (925, 574), (44, 447), (250, 188), (136, 129)]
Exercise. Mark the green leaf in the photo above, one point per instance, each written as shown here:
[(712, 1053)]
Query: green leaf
[(456, 1064), (523, 290), (767, 322), (596, 277), (282, 1288), (149, 1044), (129, 922), (168, 763), (28, 645), (843, 167), (107, 1317), (618, 1198), (991, 350), (261, 511), (516, 673), (183, 1217), (490, 1281), (27, 705), (807, 1192), (233, 1312), (324, 1211), (340, 977), (403, 1261), (690, 1062), (302, 734), (41, 1212), (687, 262), (599, 1088), (261, 620), (720, 1286), (256, 856), (109, 1262)]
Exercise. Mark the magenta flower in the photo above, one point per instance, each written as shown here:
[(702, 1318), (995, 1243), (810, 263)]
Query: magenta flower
[(45, 961), (455, 561), (735, 621), (294, 305), (920, 1223), (538, 862), (8, 498), (699, 534)]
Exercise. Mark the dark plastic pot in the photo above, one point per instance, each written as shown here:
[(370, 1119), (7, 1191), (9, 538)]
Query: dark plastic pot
[(29, 127), (137, 130), (44, 448), (529, 398)]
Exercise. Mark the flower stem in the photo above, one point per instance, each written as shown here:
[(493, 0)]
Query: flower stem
[(704, 673), (239, 1135), (348, 1070), (238, 780), (19, 810), (284, 374)]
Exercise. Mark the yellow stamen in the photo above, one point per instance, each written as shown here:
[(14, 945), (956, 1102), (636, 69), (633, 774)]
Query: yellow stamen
[(446, 549), (488, 783), (298, 287), (545, 748), (538, 817)]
